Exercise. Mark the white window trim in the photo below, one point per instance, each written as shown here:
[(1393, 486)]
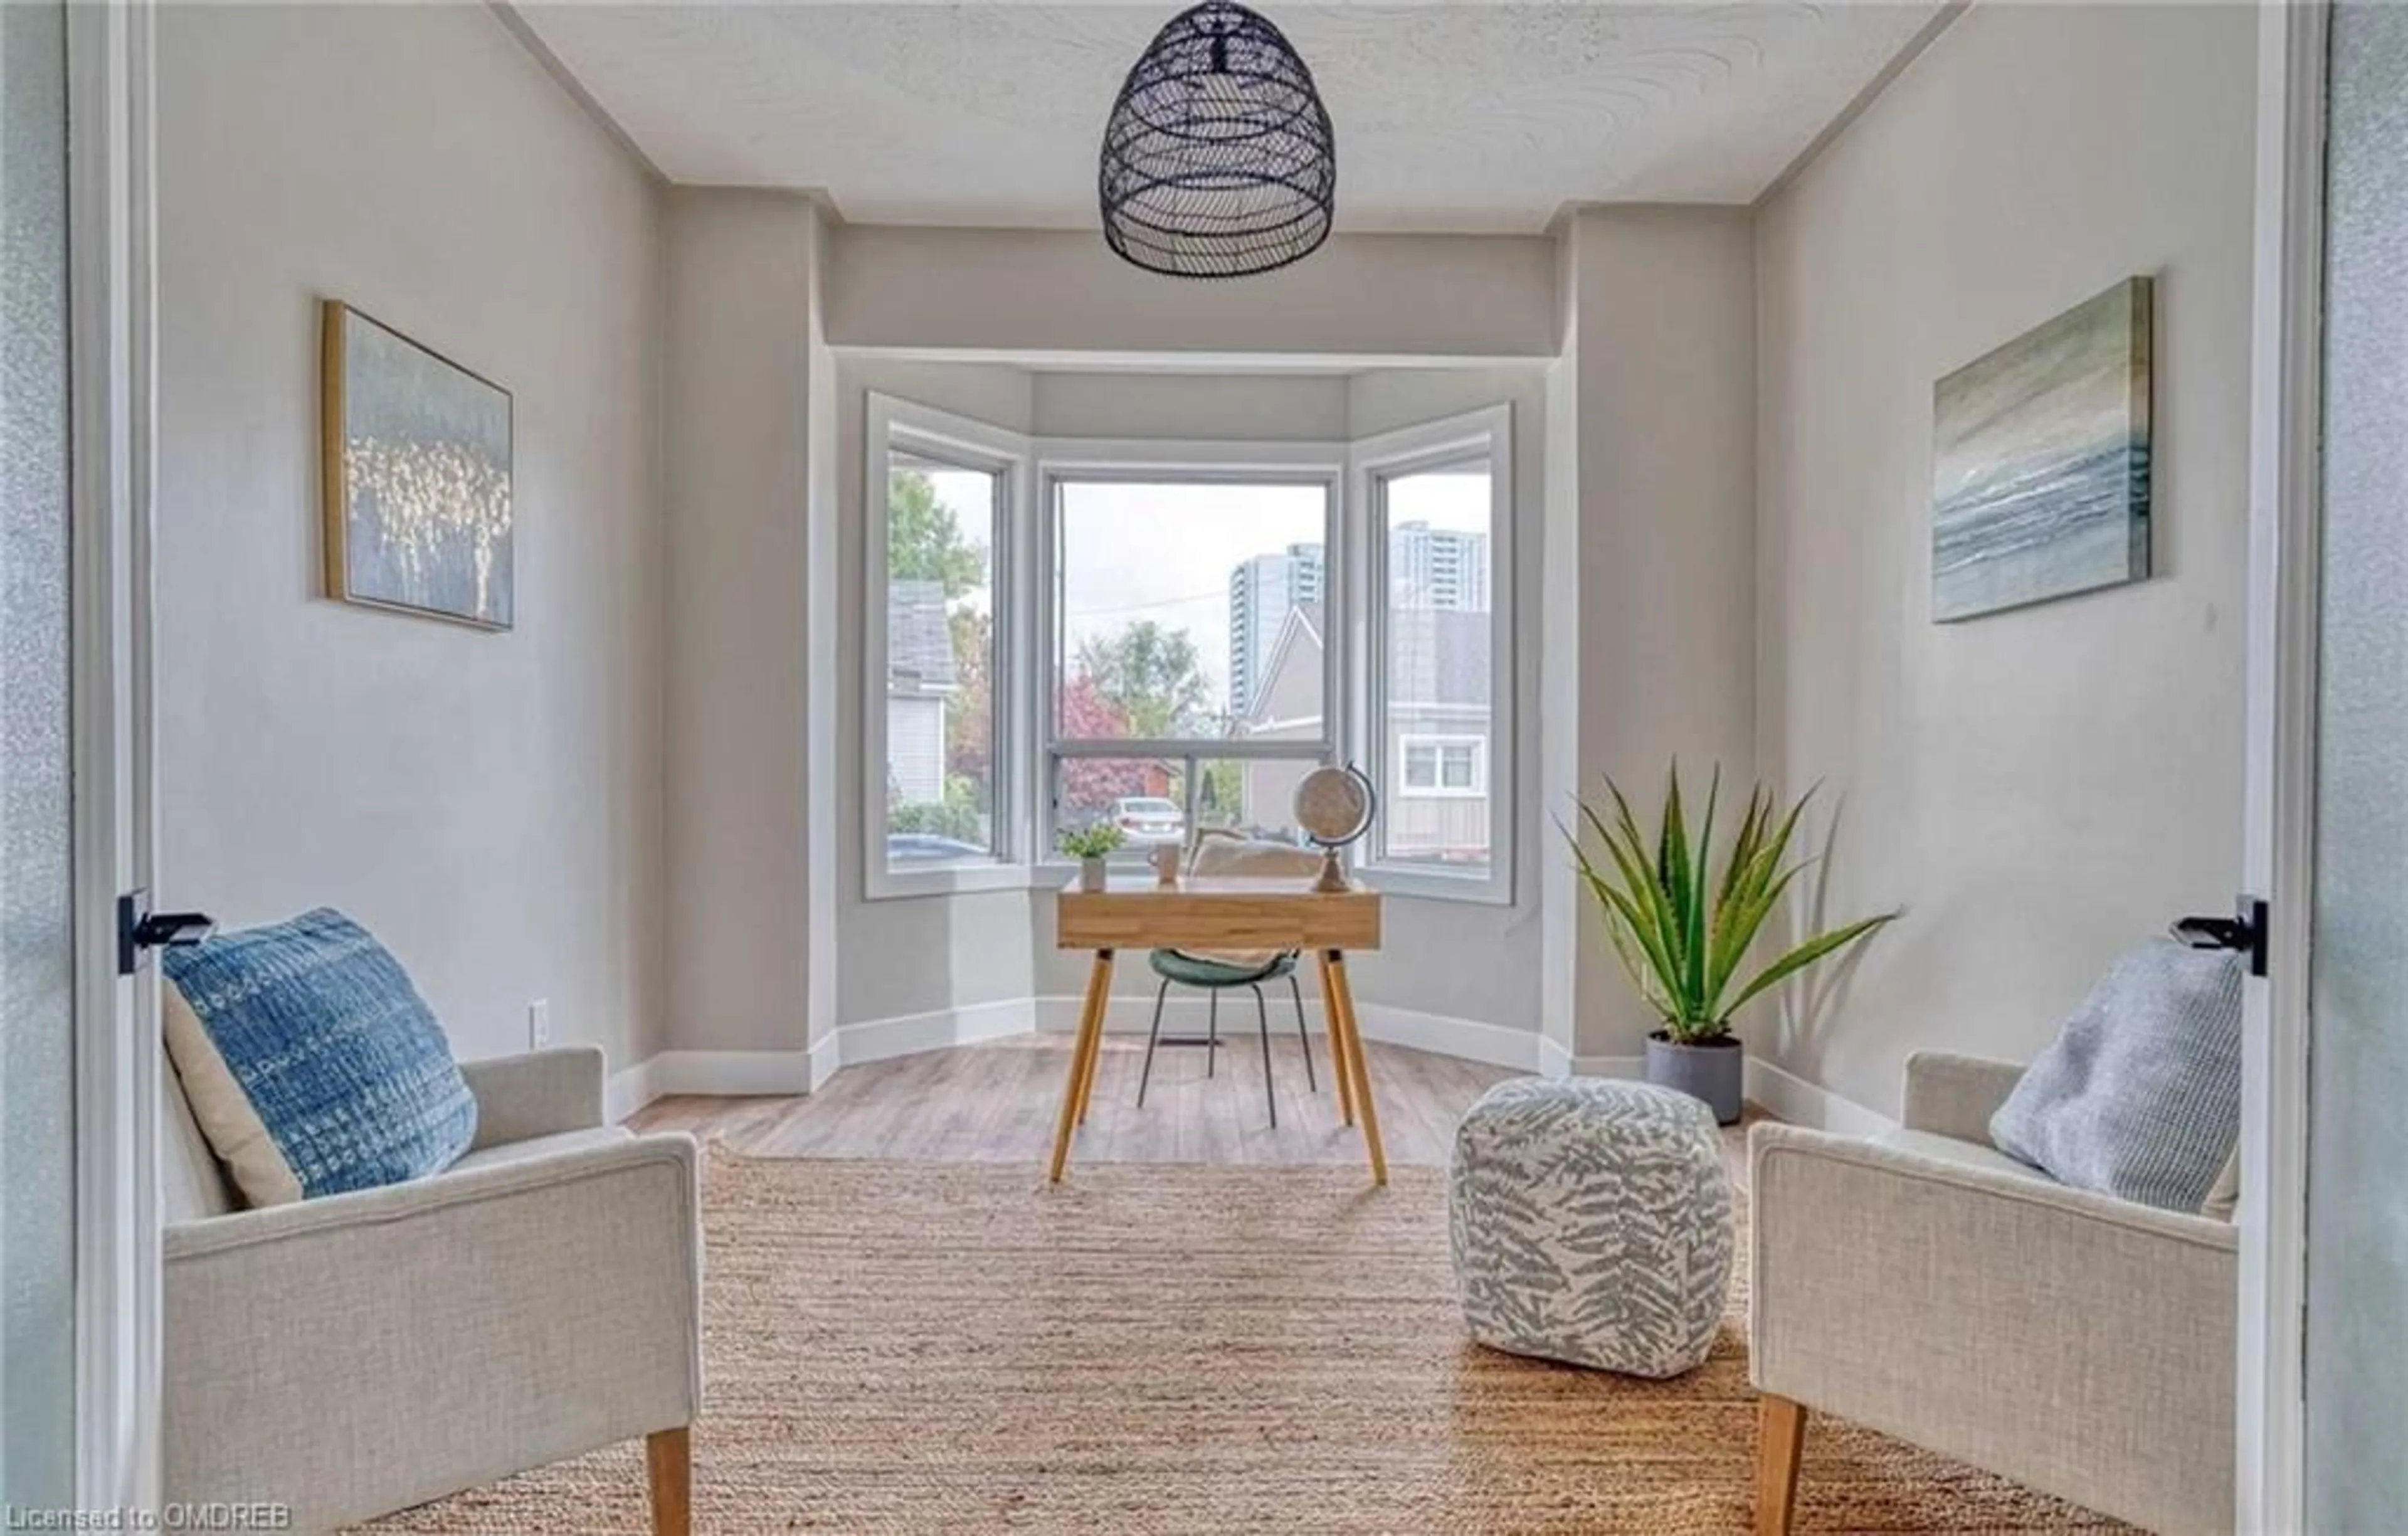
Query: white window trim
[(1354, 718), (1373, 462), (971, 445), (1066, 460), (1442, 790)]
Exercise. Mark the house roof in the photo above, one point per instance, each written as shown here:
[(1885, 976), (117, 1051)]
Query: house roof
[(919, 640), (1299, 631)]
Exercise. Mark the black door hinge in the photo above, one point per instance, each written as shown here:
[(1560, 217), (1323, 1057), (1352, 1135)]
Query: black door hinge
[(140, 929), (2245, 931)]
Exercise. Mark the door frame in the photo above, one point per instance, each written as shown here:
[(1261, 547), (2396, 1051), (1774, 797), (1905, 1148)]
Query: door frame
[(112, 403), (2279, 822)]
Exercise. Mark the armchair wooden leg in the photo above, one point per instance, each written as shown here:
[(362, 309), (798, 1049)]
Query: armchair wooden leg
[(669, 1456), (1780, 1434)]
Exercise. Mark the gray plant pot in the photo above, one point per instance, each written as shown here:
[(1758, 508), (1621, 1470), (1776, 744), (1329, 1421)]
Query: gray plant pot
[(1714, 1072)]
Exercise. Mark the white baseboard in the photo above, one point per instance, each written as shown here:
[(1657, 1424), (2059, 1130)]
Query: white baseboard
[(1472, 1040), (738, 1073), (909, 1034), (1185, 1013), (1789, 1096), (629, 1089), (753, 1072), (826, 1056), (1469, 1039), (730, 1072), (1555, 1059)]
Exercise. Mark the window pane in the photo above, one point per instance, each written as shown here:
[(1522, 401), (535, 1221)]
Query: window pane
[(941, 706), (1253, 796), (1146, 797), (1188, 611), (1435, 665)]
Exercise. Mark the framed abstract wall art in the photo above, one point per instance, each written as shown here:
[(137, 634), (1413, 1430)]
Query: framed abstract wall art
[(2040, 481), (415, 476)]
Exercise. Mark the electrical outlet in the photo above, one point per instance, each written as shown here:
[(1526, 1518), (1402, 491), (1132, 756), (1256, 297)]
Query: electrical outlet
[(538, 1024)]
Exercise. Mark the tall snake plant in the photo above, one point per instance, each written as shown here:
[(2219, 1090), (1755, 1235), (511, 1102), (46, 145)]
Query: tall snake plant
[(1683, 932)]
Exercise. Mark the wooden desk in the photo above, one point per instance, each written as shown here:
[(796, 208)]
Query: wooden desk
[(1220, 912)]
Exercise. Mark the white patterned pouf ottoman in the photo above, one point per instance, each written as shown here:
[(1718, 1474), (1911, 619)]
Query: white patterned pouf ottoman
[(1592, 1223)]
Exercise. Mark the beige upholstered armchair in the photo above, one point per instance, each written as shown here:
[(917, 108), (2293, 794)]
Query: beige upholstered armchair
[(1930, 1287), (362, 1353)]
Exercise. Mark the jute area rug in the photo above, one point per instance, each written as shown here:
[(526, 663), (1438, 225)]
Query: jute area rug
[(921, 1347)]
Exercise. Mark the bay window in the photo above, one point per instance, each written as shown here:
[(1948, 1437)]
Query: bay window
[(1169, 637)]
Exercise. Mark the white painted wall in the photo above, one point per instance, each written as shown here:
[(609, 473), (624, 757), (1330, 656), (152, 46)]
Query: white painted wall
[(1650, 595), (489, 804), (2039, 788), (736, 413), (1192, 406), (1048, 292)]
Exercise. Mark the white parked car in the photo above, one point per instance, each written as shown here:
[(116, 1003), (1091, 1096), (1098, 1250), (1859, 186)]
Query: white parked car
[(1148, 821)]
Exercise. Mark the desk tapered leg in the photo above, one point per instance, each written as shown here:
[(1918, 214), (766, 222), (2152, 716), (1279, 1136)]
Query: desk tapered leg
[(1356, 1070), (1083, 1053), (1100, 982), (1336, 1032)]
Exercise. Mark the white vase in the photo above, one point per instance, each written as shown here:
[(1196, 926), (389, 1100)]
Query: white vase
[(1091, 874)]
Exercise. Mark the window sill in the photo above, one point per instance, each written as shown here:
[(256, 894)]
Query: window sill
[(1490, 888), (953, 880)]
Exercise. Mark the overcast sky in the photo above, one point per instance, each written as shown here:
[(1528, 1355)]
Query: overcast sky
[(1164, 551)]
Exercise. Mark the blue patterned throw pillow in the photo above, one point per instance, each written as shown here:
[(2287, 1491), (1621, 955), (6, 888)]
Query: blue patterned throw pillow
[(311, 1063)]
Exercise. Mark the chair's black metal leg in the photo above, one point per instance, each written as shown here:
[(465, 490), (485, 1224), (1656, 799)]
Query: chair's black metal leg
[(1302, 1040), (1263, 1021), (1152, 1036), (1213, 1032)]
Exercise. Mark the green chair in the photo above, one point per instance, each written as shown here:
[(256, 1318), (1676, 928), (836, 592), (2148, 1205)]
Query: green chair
[(1215, 978)]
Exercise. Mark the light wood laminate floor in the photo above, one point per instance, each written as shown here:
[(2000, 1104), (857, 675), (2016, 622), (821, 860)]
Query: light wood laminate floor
[(997, 1102)]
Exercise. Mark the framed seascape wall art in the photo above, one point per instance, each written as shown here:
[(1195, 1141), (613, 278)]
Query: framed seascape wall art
[(416, 477), (2040, 462)]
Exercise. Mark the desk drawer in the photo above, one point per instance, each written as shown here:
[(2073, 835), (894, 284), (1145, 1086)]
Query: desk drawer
[(1216, 920)]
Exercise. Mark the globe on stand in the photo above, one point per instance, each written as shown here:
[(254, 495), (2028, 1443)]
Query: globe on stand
[(1334, 807)]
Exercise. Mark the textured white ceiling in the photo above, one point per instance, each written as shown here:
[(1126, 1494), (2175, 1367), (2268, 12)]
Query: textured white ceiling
[(1449, 117)]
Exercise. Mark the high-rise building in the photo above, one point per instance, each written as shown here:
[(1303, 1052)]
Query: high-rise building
[(1444, 569), (1261, 592)]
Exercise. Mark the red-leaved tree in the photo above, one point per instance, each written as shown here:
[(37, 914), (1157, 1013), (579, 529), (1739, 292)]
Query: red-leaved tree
[(1089, 785)]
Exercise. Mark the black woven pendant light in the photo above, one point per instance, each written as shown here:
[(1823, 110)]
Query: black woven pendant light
[(1218, 160)]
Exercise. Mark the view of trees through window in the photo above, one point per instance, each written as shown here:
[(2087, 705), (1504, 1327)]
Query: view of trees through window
[(1186, 613), (940, 663)]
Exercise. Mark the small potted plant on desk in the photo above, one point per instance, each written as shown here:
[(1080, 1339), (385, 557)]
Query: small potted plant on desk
[(1091, 845), (1682, 928)]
